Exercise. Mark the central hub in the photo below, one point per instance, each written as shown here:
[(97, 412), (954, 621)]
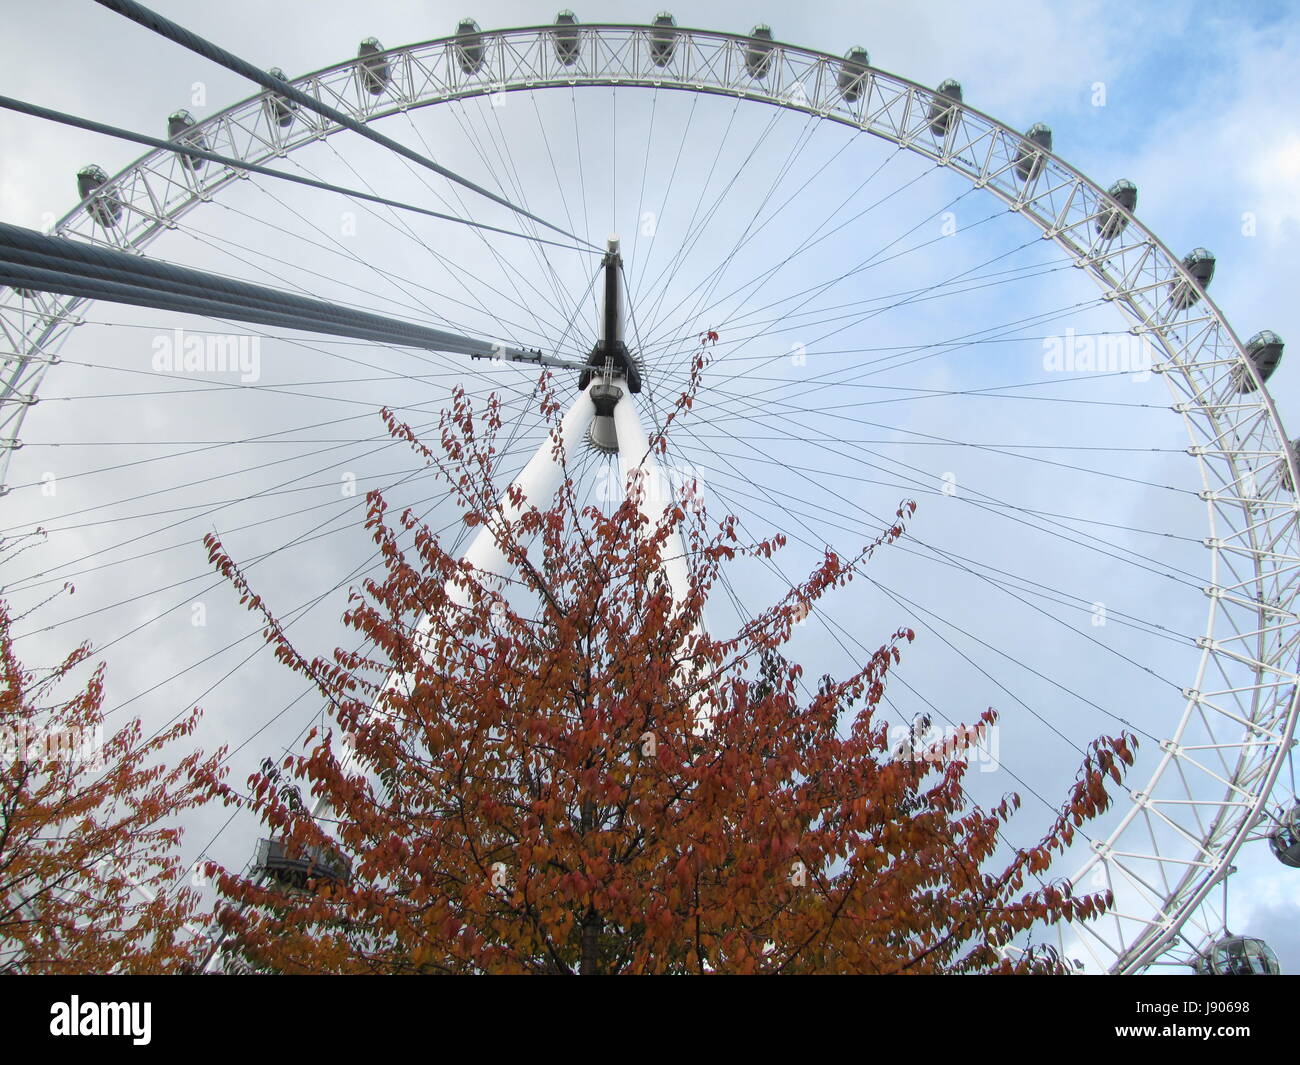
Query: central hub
[(611, 369), (610, 355)]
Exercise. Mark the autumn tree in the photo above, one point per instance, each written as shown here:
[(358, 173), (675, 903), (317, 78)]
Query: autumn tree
[(568, 774), (88, 835)]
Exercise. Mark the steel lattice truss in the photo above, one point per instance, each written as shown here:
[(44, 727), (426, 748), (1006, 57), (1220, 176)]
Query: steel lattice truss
[(1175, 844)]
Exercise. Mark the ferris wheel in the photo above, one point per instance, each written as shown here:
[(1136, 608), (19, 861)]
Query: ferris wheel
[(902, 297)]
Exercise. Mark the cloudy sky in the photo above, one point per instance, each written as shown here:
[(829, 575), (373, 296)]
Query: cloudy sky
[(1193, 105)]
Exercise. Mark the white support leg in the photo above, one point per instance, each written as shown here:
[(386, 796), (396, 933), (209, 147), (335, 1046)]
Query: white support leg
[(538, 482), (635, 460)]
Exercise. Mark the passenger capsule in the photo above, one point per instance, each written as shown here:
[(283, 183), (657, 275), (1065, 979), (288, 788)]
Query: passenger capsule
[(942, 113), (568, 38), (1285, 837), (178, 125), (375, 71), (853, 73), (1264, 350), (279, 109), (663, 39), (758, 53), (104, 207), (1030, 159), (1238, 956), (1111, 222), (293, 867), (1200, 264), (1286, 476), (469, 46)]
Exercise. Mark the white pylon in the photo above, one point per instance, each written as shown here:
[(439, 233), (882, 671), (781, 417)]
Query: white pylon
[(537, 483)]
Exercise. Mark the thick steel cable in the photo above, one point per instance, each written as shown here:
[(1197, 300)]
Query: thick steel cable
[(28, 249), (181, 148), (29, 259)]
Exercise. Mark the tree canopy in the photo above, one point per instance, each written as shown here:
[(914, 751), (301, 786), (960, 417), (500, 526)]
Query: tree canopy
[(90, 878), (562, 771)]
